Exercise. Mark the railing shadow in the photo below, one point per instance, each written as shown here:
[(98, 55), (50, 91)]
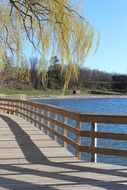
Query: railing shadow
[(30, 150), (34, 156)]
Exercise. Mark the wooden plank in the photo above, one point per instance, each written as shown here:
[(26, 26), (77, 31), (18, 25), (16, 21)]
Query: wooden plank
[(108, 151), (66, 139), (103, 118), (104, 135), (56, 122), (41, 163), (79, 117)]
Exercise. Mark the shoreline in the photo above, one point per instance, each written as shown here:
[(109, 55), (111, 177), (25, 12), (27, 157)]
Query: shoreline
[(86, 96), (79, 97)]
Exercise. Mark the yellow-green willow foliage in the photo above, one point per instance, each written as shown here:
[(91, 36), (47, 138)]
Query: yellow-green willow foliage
[(51, 26)]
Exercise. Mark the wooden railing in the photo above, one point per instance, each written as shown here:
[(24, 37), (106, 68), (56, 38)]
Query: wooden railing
[(60, 123)]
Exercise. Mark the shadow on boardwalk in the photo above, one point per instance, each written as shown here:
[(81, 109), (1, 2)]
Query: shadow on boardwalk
[(58, 175)]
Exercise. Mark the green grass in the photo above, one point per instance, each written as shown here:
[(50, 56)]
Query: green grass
[(88, 91), (55, 92), (30, 92), (104, 92)]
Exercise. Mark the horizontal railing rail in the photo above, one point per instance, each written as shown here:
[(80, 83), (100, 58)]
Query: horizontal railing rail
[(67, 126)]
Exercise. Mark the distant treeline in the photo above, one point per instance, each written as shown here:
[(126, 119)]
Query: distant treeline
[(100, 80), (29, 75)]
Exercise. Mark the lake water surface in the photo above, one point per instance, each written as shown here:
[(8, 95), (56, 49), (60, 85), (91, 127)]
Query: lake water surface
[(91, 105), (97, 105)]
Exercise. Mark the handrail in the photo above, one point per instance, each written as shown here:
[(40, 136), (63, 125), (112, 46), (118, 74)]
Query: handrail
[(51, 118)]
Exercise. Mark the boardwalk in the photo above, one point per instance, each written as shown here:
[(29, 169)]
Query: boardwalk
[(29, 159)]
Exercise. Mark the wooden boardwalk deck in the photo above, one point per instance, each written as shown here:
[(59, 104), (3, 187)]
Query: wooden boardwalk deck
[(29, 159)]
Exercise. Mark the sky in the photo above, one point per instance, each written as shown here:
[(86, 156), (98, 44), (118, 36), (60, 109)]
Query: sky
[(109, 17)]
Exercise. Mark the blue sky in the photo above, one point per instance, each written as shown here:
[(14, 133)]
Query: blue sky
[(110, 18)]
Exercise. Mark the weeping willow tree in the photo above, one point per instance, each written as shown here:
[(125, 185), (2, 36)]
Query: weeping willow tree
[(51, 26)]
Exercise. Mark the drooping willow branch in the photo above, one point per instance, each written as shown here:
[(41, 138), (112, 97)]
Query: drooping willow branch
[(49, 25)]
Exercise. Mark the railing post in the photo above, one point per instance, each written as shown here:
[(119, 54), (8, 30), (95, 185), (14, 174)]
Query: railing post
[(0, 105), (16, 109), (3, 110), (65, 132), (42, 120), (39, 118), (25, 106), (28, 113), (13, 109), (32, 115), (48, 123), (35, 116), (45, 122), (78, 140), (20, 109), (23, 111), (94, 142), (55, 127)]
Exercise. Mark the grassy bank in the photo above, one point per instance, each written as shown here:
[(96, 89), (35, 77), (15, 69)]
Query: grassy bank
[(30, 92), (55, 92)]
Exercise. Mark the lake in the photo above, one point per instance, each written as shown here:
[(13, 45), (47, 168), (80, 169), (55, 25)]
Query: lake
[(97, 105)]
